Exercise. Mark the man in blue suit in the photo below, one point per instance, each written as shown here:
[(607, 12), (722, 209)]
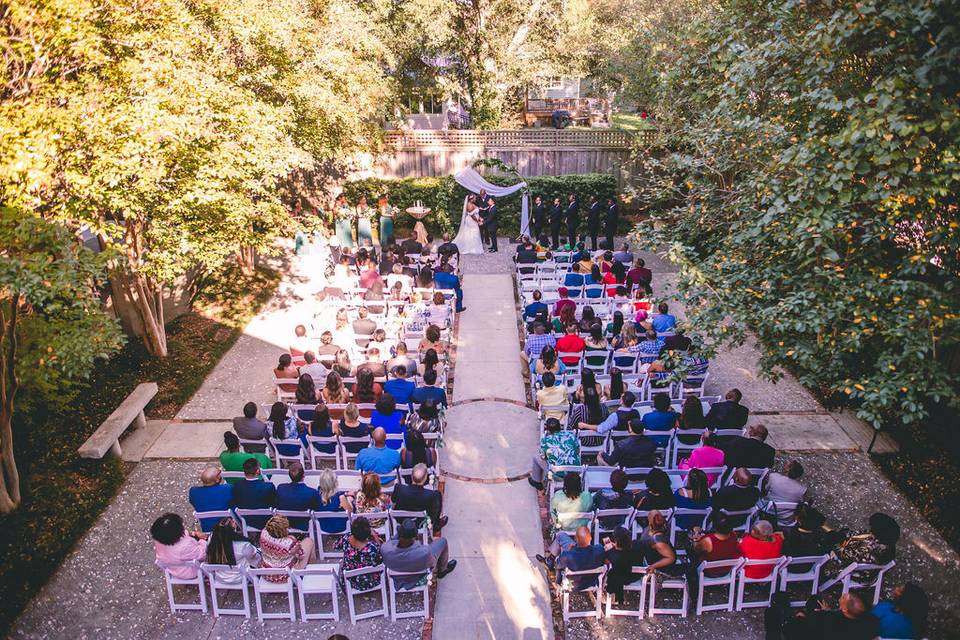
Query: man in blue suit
[(213, 494), (444, 280), (253, 492), (297, 496)]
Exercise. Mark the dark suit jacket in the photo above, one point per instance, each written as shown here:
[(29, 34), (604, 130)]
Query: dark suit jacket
[(448, 249), (254, 494), (490, 217), (635, 451), (612, 213), (727, 415), (539, 214), (735, 498), (408, 497), (595, 210), (410, 246), (556, 214), (573, 212), (746, 452)]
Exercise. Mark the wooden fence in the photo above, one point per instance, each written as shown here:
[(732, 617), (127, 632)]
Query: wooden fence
[(534, 152)]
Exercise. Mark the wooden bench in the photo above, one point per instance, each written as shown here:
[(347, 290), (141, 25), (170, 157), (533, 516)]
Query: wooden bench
[(129, 413)]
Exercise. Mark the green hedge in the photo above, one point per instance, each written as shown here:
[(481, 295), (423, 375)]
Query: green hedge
[(445, 197)]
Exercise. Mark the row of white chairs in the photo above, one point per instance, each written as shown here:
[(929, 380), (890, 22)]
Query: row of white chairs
[(784, 572), (314, 580)]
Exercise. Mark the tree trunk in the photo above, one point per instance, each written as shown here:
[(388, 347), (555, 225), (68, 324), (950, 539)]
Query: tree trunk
[(10, 476), (247, 259), (147, 298)]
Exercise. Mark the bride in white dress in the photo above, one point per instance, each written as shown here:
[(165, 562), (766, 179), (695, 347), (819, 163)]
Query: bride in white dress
[(468, 239)]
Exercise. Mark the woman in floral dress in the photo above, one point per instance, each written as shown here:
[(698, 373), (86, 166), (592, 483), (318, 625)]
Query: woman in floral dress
[(361, 549)]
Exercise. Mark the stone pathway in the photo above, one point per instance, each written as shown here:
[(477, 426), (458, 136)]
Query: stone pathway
[(498, 589)]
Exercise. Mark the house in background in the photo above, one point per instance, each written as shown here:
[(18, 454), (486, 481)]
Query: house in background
[(564, 93)]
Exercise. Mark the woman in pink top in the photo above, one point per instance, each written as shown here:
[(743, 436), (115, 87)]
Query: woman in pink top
[(706, 456), (175, 546)]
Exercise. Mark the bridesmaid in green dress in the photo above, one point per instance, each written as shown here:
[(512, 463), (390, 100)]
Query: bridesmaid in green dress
[(344, 217), (364, 228), (386, 221)]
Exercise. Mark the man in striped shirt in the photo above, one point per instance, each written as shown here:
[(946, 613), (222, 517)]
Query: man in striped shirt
[(535, 343)]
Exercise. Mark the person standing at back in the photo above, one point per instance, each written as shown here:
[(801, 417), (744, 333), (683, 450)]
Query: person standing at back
[(556, 220), (539, 217), (572, 219), (593, 221), (613, 219)]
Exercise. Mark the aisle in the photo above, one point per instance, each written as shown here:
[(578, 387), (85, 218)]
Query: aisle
[(498, 589)]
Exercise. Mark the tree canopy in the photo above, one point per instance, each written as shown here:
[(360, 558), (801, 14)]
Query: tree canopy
[(807, 184)]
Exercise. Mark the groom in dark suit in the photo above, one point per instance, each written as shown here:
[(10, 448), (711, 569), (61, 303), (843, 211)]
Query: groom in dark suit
[(482, 207), (490, 223)]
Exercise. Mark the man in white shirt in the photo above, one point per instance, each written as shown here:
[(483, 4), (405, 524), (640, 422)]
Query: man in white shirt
[(314, 369), (784, 488)]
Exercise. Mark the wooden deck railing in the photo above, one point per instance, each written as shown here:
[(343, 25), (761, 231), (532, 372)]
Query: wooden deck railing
[(516, 138)]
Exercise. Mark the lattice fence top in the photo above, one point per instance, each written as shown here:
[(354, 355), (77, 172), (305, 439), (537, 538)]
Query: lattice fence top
[(515, 138)]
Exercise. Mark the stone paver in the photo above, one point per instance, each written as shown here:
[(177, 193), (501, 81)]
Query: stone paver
[(190, 440), (489, 439)]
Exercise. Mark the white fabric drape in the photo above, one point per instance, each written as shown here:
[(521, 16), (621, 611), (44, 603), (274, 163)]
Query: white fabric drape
[(470, 180)]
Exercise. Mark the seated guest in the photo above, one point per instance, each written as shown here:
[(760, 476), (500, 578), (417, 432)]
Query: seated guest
[(361, 549), (425, 277), (536, 342), (654, 545), (379, 458), (739, 495), (331, 499), (373, 297), (342, 365), (728, 414), (431, 362), (876, 546), (429, 390), (625, 338), (401, 359), (213, 494), (536, 310), (571, 343), (438, 313), (574, 280), (595, 277), (387, 416), (431, 340), (624, 256), (905, 616), (639, 274), (397, 276), (306, 391), (785, 488), (284, 426), (564, 302), (411, 246), (248, 427), (449, 280), (334, 392), (312, 368), (581, 555), (281, 550), (677, 342), (285, 369), (567, 505), (636, 450), (719, 544), (650, 346), (399, 387), (663, 321), (614, 327), (622, 556), (695, 494), (620, 419), (762, 543), (751, 451), (591, 409), (374, 362), (297, 496), (253, 492), (327, 348), (807, 538), (366, 391), (322, 427), (408, 554), (691, 415), (616, 497), (350, 426), (233, 459), (658, 493), (597, 349), (448, 247), (587, 319), (371, 498), (227, 546), (850, 622), (552, 395), (174, 546), (557, 447), (547, 363), (363, 327), (705, 457), (415, 450), (417, 497), (662, 419)]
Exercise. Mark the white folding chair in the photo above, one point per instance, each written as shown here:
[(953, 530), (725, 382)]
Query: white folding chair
[(742, 520), (319, 517), (572, 368), (727, 580), (303, 518), (423, 589), (172, 580), (596, 592), (213, 574), (284, 396), (317, 579), (623, 516), (316, 454), (802, 569), (678, 447), (352, 592), (569, 517), (697, 518), (383, 529), (591, 444), (263, 587), (244, 514), (345, 455), (852, 577), (424, 524), (660, 582), (281, 458), (555, 476), (640, 586), (212, 518), (771, 580), (255, 446)]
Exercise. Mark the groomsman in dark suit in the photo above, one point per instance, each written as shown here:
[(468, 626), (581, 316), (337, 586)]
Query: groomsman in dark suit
[(539, 218), (593, 221), (613, 218), (573, 219), (556, 220), (490, 223)]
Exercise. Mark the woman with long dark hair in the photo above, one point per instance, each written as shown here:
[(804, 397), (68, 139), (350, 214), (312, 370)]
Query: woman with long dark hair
[(568, 316), (366, 390), (228, 546), (547, 362), (614, 327), (616, 388), (322, 427), (284, 427), (431, 362), (416, 451), (334, 392), (587, 319), (695, 494), (623, 557), (306, 390)]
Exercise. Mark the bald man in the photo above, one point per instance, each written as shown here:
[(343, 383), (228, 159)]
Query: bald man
[(580, 556), (213, 494), (739, 495), (417, 497), (379, 458)]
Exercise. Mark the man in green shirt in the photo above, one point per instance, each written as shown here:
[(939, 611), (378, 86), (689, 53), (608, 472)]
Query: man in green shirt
[(233, 458)]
